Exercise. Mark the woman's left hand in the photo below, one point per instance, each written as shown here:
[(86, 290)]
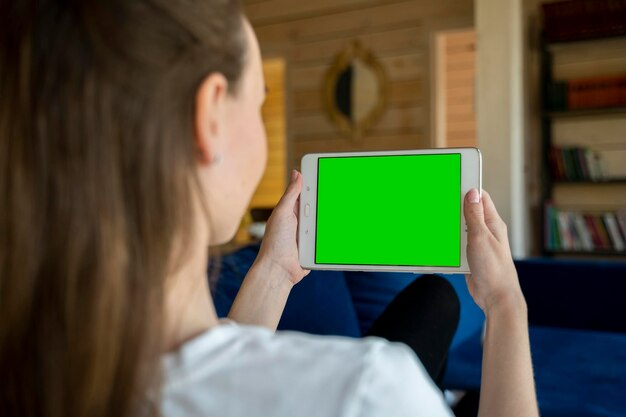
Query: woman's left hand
[(279, 249)]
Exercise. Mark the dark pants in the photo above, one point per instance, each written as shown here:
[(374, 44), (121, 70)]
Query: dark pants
[(424, 316)]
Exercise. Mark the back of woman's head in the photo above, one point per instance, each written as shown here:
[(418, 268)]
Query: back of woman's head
[(96, 181)]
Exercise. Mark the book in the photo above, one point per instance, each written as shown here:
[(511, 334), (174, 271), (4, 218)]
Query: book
[(570, 170), (596, 92), (621, 221), (604, 236), (556, 98), (574, 232), (566, 239), (613, 163), (584, 234), (611, 225), (556, 237), (593, 165), (581, 160), (579, 164), (595, 236), (578, 170), (597, 166), (583, 19)]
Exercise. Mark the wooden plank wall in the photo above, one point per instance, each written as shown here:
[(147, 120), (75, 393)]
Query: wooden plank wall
[(459, 73), (273, 182), (308, 35)]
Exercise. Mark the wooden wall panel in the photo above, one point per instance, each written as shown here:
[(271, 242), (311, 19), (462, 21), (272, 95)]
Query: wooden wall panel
[(342, 24), (308, 35), (274, 179), (371, 142), (456, 70), (389, 43), (271, 11), (398, 68)]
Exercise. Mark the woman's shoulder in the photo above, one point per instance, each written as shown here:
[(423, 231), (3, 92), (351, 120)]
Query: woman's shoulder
[(329, 375), (231, 345)]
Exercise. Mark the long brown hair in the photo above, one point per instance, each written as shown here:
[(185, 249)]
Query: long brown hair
[(96, 180)]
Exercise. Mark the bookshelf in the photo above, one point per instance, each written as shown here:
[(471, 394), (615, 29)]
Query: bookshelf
[(587, 112), (583, 130), (598, 182)]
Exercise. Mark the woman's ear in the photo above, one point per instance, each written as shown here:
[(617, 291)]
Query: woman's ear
[(209, 117)]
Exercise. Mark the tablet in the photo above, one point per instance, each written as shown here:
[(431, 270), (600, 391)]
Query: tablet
[(386, 211)]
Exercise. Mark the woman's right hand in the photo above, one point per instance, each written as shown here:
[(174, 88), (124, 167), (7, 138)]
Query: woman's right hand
[(507, 386), (493, 279)]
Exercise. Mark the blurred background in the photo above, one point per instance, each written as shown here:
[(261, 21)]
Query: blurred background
[(504, 75)]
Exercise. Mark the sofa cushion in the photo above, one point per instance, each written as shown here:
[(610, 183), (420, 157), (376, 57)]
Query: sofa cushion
[(575, 293), (319, 304), (578, 373)]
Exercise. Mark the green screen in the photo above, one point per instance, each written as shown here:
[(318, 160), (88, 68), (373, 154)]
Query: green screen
[(389, 210)]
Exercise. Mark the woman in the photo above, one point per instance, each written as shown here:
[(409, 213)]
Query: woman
[(130, 141)]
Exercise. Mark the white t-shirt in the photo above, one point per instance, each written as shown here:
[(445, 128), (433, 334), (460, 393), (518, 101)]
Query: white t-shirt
[(236, 370)]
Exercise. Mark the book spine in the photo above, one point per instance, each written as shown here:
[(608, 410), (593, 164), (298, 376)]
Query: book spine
[(591, 167), (560, 164), (613, 229), (604, 236), (563, 95), (597, 164), (582, 162), (596, 92), (554, 167), (573, 94), (578, 170), (567, 242), (595, 236), (549, 22), (583, 19), (583, 232), (570, 170), (556, 237), (621, 214)]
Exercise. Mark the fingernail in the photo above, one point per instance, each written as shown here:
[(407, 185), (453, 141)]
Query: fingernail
[(473, 196), (294, 175)]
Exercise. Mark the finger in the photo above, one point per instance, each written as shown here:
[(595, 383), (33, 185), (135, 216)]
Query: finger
[(473, 210), (292, 192), (493, 221)]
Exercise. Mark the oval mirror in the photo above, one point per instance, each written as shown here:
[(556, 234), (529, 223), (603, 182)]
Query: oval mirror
[(355, 90)]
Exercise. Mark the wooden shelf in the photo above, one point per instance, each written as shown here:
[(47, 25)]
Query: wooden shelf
[(584, 40), (586, 196), (612, 181), (610, 253), (606, 111)]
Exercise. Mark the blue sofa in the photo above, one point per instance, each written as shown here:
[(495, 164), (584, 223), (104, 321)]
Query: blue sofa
[(577, 314)]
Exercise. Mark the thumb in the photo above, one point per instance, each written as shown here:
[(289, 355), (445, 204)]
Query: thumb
[(473, 210), (292, 192)]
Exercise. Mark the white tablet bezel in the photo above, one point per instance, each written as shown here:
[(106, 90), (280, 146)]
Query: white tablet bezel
[(471, 177)]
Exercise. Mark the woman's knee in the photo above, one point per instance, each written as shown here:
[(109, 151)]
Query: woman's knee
[(439, 294)]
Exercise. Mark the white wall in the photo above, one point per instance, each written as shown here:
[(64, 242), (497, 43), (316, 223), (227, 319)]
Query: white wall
[(500, 113)]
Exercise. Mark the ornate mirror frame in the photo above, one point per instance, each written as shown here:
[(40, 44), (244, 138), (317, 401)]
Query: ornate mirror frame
[(354, 129)]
